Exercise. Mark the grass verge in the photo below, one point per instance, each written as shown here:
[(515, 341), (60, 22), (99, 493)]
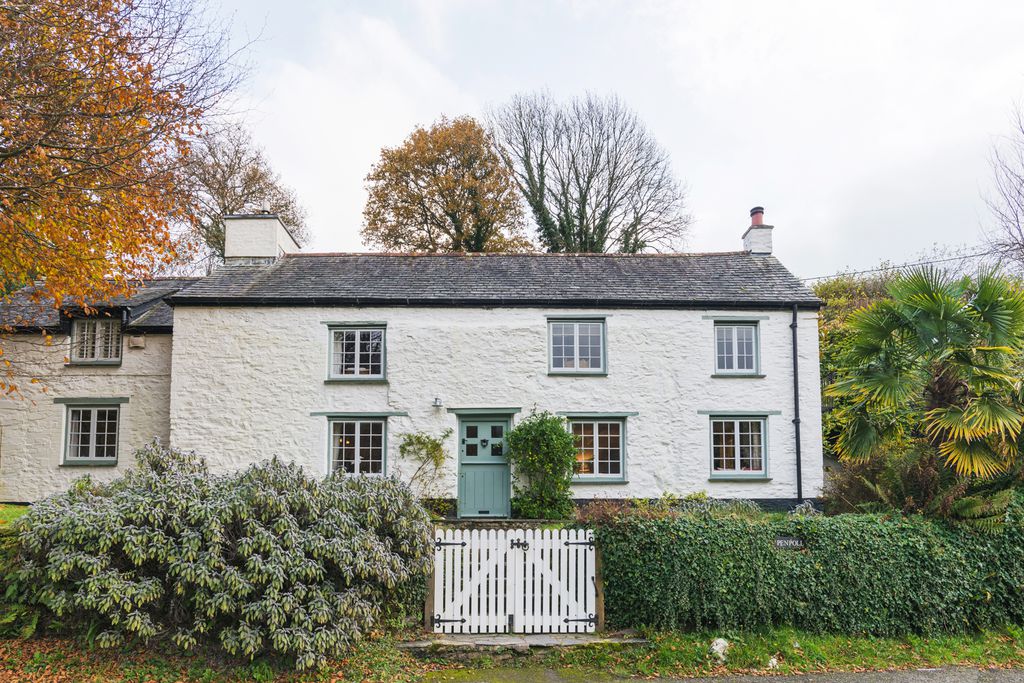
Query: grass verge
[(9, 513), (787, 651), (668, 655)]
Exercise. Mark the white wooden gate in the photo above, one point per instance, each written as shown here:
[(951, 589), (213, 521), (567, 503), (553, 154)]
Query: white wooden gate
[(514, 580)]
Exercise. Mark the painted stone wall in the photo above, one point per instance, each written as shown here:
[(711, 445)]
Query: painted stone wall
[(247, 381), (32, 426)]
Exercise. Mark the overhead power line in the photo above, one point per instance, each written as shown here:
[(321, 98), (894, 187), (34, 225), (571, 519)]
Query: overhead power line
[(904, 265)]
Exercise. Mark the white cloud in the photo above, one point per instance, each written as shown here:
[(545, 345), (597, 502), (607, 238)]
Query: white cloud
[(323, 121), (863, 128)]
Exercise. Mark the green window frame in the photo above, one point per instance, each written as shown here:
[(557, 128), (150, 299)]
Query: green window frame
[(739, 446), (357, 352), (577, 346), (96, 341), (92, 434), (737, 348), (600, 448), (358, 446)]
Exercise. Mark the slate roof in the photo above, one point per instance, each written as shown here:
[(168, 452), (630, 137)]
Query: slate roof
[(727, 280), (146, 307)]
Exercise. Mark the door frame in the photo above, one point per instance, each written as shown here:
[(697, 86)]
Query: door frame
[(479, 415)]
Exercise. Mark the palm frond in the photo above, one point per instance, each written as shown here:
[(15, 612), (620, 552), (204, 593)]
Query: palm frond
[(1000, 306), (859, 439), (975, 458), (950, 422), (875, 329), (988, 414), (888, 386)]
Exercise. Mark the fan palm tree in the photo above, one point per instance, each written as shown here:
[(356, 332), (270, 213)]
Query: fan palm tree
[(939, 359)]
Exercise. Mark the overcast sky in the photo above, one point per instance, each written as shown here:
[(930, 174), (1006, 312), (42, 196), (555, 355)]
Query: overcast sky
[(864, 128)]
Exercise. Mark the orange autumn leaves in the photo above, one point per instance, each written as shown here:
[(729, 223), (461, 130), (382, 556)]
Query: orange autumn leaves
[(444, 189), (97, 101)]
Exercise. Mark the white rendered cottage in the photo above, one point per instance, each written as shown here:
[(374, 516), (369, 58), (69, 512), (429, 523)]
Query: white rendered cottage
[(677, 373)]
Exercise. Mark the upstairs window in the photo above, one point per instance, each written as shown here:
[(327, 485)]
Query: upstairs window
[(737, 446), (577, 346), (736, 348), (96, 340), (357, 353), (92, 434)]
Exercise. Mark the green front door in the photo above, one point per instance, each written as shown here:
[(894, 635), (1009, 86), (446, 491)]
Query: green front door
[(485, 485)]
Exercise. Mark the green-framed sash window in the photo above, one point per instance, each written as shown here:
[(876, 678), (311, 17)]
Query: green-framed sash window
[(739, 446), (736, 348), (358, 446), (600, 447), (358, 353), (91, 434), (577, 346)]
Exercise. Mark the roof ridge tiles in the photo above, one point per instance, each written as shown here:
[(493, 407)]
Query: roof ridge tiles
[(475, 254)]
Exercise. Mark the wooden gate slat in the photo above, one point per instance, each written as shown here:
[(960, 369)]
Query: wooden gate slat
[(541, 579)]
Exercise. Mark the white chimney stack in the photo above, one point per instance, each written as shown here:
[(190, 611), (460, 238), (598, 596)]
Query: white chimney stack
[(758, 237), (256, 239)]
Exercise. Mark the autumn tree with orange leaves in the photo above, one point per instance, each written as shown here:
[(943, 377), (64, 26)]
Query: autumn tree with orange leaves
[(98, 99), (445, 189)]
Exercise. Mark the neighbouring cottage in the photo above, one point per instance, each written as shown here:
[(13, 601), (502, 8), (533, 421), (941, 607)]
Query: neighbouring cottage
[(675, 372)]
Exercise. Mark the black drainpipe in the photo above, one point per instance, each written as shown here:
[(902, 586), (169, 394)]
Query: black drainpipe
[(796, 409)]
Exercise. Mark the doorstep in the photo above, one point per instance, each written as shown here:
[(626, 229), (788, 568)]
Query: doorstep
[(459, 643)]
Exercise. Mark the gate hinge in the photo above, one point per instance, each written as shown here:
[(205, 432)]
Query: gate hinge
[(589, 544), (438, 543), (590, 619), (518, 543), (436, 619)]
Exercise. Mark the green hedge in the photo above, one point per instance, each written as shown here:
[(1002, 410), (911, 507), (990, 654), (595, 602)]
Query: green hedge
[(857, 574)]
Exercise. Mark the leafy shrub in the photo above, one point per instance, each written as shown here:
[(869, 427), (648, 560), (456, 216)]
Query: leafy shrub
[(267, 560), (19, 618), (543, 457), (869, 574)]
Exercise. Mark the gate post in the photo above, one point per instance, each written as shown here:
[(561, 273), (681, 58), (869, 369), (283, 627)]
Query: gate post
[(428, 602), (599, 587)]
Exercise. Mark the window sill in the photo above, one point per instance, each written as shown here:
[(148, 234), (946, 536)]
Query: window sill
[(84, 363), (738, 375), (739, 477), (599, 480), (86, 463), (577, 373), (355, 380)]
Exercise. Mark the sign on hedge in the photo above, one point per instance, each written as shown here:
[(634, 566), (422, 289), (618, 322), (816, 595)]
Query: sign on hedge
[(789, 543)]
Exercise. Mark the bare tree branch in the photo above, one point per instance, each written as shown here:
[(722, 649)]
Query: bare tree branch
[(593, 176), (1007, 202), (226, 172)]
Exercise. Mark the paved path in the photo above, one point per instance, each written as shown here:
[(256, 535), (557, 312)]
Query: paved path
[(541, 675)]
